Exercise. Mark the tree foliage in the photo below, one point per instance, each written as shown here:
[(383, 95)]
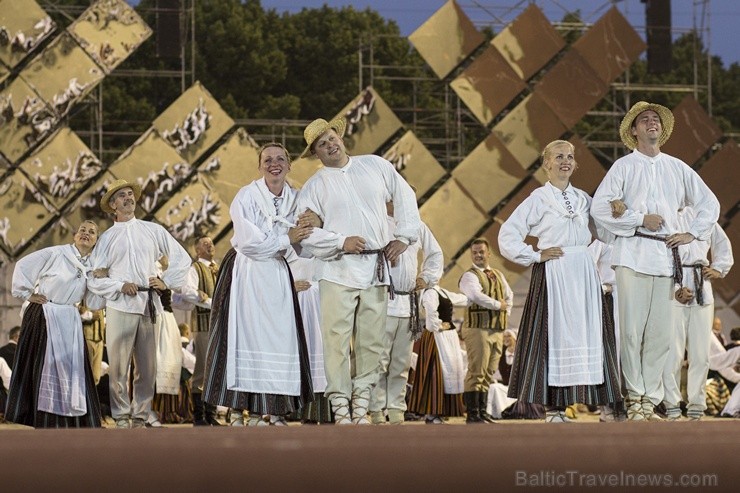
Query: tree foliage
[(261, 64)]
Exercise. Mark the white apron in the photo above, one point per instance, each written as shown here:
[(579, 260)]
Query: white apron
[(451, 361), (311, 312), (575, 347), (62, 386), (169, 354)]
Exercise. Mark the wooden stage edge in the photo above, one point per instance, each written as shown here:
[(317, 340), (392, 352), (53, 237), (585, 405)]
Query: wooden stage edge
[(682, 456)]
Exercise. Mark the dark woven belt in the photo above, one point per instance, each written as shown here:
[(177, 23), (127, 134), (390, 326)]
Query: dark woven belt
[(149, 302), (379, 267), (414, 320), (677, 268), (698, 271)]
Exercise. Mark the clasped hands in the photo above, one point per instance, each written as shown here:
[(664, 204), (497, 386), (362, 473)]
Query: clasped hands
[(304, 226), (653, 222)]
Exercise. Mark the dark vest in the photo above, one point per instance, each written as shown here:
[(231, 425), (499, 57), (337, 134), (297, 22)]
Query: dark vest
[(200, 317), (479, 317)]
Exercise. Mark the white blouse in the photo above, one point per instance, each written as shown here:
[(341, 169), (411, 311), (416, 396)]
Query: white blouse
[(556, 218), (60, 273)]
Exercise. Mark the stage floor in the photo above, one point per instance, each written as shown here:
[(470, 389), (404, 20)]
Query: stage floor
[(507, 456)]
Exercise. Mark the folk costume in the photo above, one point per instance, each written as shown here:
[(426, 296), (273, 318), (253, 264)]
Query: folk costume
[(645, 269), (130, 251), (403, 325), (692, 329), (565, 351), (52, 385), (201, 279), (482, 332), (437, 382), (257, 356), (354, 295)]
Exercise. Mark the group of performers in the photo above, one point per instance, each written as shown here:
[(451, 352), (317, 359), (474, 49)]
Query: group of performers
[(314, 311)]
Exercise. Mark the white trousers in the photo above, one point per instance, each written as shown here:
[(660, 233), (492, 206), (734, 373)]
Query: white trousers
[(395, 361), (692, 329), (646, 331), (346, 312), (127, 335)]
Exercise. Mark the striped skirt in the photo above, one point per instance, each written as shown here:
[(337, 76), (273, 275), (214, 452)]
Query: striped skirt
[(174, 408), (528, 381), (316, 412), (427, 394), (22, 405), (214, 388)]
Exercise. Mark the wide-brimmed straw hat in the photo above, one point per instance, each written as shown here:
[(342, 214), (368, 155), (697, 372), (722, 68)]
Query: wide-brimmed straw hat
[(316, 129), (666, 121), (113, 188)]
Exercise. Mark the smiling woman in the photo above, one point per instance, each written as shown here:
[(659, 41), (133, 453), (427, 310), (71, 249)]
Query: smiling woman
[(52, 384), (567, 349)]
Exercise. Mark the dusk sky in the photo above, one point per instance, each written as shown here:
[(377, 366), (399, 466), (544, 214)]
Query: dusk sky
[(723, 16)]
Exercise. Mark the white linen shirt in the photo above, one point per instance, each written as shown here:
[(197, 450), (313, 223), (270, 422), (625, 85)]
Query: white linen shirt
[(651, 185), (471, 287), (189, 293), (130, 250), (404, 273), (696, 253), (351, 202)]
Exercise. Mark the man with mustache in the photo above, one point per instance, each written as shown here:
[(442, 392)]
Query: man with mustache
[(129, 251)]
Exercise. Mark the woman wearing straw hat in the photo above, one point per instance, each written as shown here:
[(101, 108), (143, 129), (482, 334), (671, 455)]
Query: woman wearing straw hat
[(636, 208), (566, 351), (354, 246)]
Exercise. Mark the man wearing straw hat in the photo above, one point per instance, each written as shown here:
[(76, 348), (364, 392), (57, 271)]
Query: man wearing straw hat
[(128, 251), (355, 247), (636, 207)]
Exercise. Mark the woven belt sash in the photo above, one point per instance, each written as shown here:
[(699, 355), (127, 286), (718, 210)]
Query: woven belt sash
[(149, 302), (677, 268), (414, 320), (379, 267), (698, 271)]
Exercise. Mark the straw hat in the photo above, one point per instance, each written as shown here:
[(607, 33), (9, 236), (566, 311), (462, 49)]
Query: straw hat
[(666, 120), (316, 129), (113, 188)]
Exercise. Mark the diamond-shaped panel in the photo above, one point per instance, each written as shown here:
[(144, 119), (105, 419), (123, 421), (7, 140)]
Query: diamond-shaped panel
[(529, 42), (528, 128), (489, 173), (446, 39), (233, 165), (720, 174), (694, 132), (453, 217), (370, 123), (487, 85), (571, 88), (23, 25), (25, 119), (25, 211), (63, 74), (610, 46), (415, 163), (109, 31), (193, 123), (194, 210), (61, 166), (155, 165)]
